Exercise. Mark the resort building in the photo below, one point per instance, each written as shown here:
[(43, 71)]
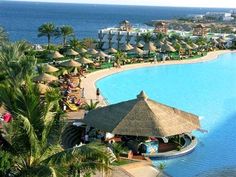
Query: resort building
[(118, 37), (161, 27), (200, 30), (125, 33), (125, 26), (219, 16)]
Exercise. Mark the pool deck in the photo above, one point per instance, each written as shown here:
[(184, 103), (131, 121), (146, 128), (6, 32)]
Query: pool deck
[(89, 82)]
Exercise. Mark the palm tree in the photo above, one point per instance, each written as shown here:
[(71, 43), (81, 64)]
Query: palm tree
[(91, 105), (138, 38), (34, 137), (3, 35), (128, 38), (174, 37), (160, 36), (65, 31), (110, 36), (119, 56), (147, 37), (74, 43), (48, 30), (15, 64), (119, 37)]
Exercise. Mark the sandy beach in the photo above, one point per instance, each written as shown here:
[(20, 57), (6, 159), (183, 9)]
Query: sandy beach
[(89, 82)]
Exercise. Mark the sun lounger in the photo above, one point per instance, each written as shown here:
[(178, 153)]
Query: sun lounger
[(72, 107)]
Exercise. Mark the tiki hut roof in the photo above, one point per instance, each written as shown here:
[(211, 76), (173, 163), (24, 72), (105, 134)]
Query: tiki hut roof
[(56, 55), (50, 69), (45, 78), (43, 88), (150, 46), (93, 51), (142, 117), (71, 52), (112, 50), (84, 60), (71, 63)]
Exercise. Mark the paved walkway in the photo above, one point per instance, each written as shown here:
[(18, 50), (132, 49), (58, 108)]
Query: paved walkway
[(89, 82)]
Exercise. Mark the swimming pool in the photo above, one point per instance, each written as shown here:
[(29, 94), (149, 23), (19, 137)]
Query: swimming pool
[(207, 89)]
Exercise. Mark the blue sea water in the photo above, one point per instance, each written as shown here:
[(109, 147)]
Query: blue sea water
[(22, 19), (206, 89)]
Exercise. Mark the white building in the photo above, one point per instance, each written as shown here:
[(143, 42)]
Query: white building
[(223, 16)]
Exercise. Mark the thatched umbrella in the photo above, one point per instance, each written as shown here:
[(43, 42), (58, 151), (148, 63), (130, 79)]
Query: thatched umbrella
[(75, 71), (188, 47), (44, 77), (50, 69), (150, 47), (130, 46), (71, 63), (101, 54), (126, 47), (142, 117), (139, 45), (183, 42), (167, 48), (43, 88), (137, 50), (93, 51), (56, 55), (214, 41), (71, 52), (112, 51), (221, 40), (82, 50), (84, 60), (195, 46), (65, 72), (168, 42)]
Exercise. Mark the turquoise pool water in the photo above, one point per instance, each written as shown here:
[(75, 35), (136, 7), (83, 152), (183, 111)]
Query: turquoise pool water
[(206, 89)]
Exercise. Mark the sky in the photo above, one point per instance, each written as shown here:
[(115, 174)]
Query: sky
[(178, 3)]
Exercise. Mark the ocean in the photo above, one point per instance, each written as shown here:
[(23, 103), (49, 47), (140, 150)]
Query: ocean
[(22, 19)]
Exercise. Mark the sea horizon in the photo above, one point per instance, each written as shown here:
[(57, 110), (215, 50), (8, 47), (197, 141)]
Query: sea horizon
[(21, 19), (201, 7)]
